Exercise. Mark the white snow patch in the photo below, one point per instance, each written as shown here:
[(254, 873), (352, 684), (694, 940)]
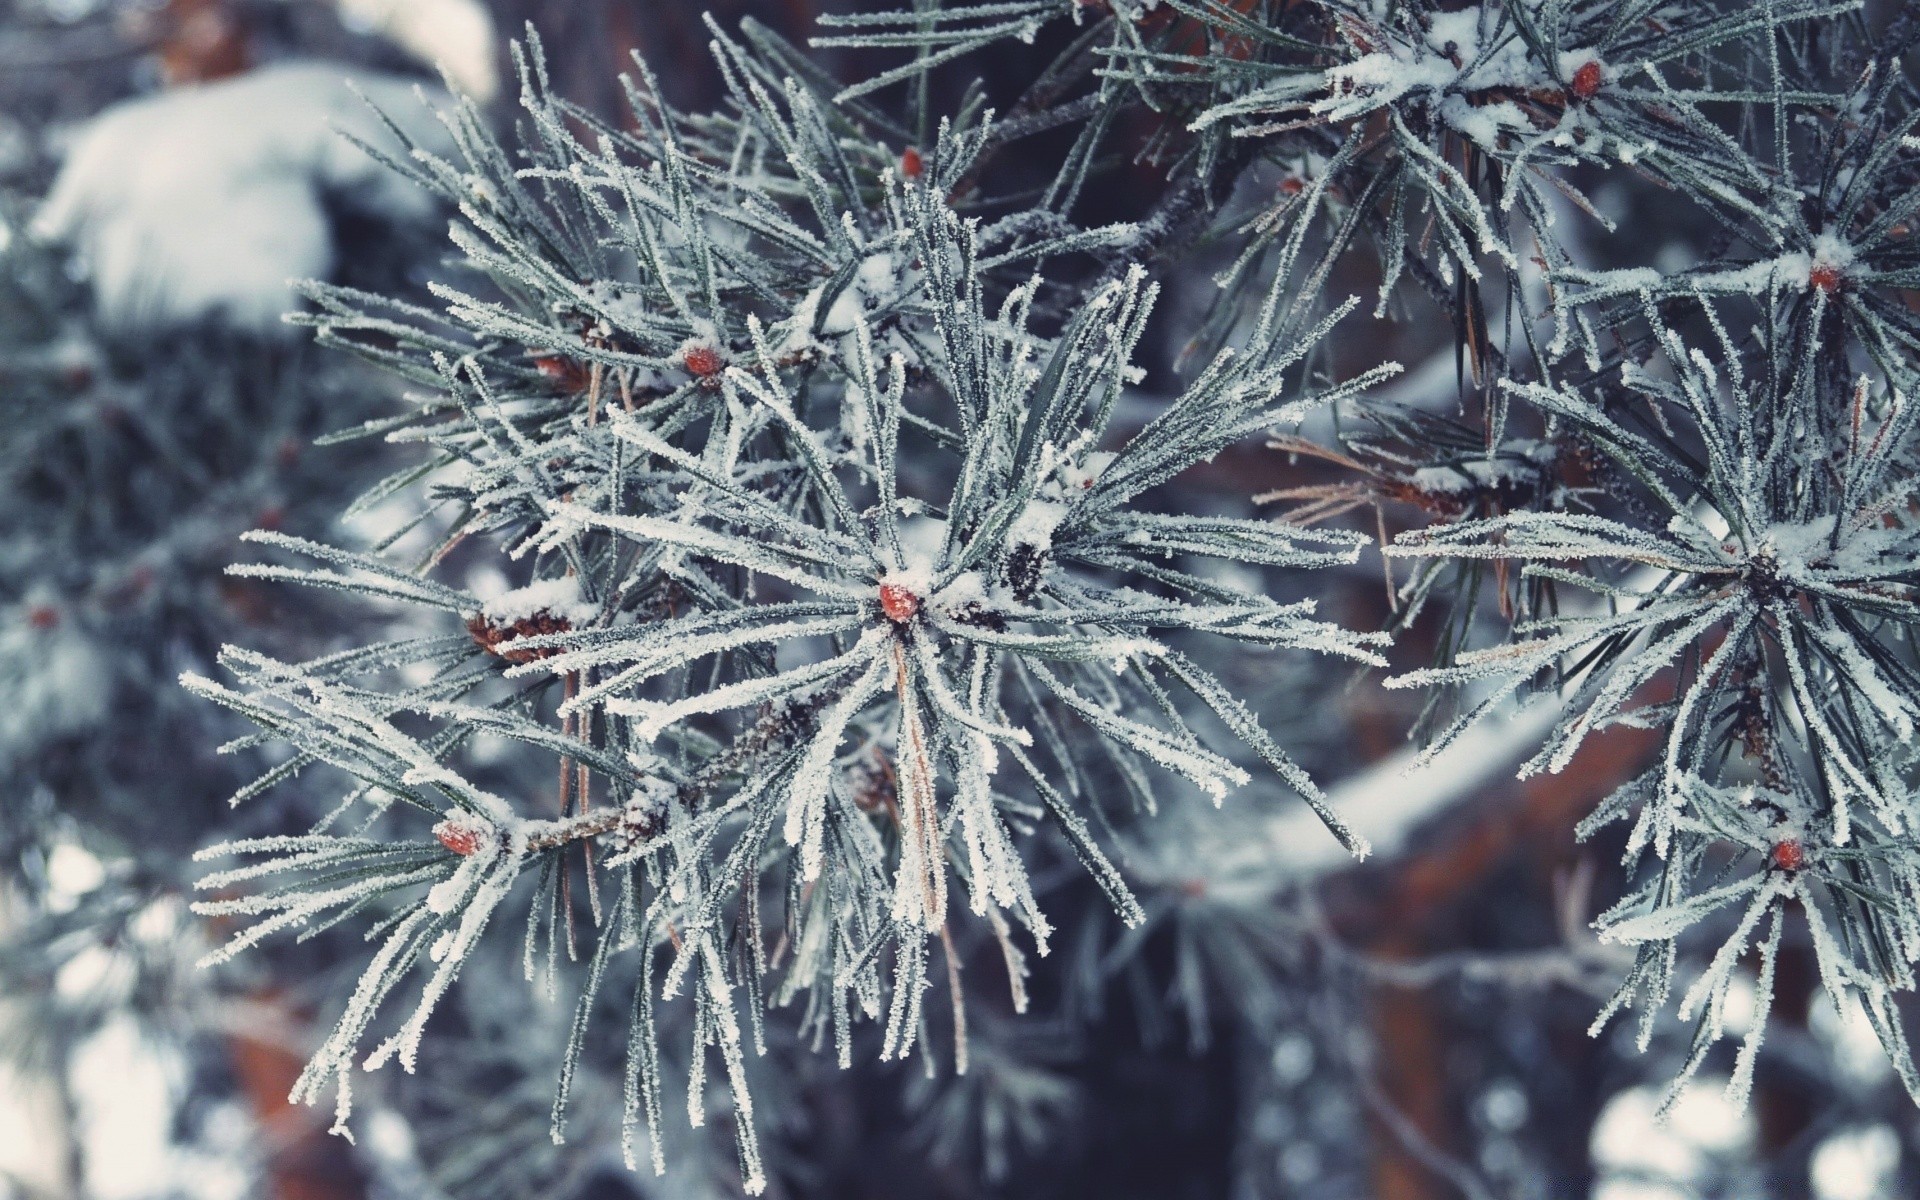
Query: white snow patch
[(56, 681), (208, 199), (557, 597), (1385, 803), (1446, 66), (968, 587), (1792, 271), (455, 35), (1036, 523), (1630, 1139), (1480, 474), (1857, 1164), (72, 872)]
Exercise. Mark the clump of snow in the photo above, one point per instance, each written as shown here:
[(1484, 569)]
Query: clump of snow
[(1069, 479), (916, 577), (1450, 65), (1081, 475), (1036, 523), (209, 199), (455, 35), (1832, 251), (879, 279), (647, 811), (966, 589), (557, 597), (56, 681), (1519, 463), (1793, 547), (1483, 123), (1382, 78), (922, 541), (878, 283)]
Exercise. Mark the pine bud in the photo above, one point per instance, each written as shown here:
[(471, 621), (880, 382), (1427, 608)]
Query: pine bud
[(899, 603), (566, 374), (461, 834), (702, 361), (1787, 855), (1588, 80), (495, 636), (911, 164)]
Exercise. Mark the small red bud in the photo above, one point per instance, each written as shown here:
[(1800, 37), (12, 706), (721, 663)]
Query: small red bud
[(703, 361), (1293, 185), (566, 374), (1788, 854), (43, 616), (911, 164), (1588, 80), (1825, 277), (898, 602), (458, 835)]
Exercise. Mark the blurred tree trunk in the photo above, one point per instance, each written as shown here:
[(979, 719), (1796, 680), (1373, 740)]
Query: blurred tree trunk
[(590, 43), (1785, 1107), (1404, 911), (303, 1161)]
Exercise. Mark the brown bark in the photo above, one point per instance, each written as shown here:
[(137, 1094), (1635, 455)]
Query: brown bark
[(1784, 1106), (1410, 1041), (1401, 913), (304, 1162)]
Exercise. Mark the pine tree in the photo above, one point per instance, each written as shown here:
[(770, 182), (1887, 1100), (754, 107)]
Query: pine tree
[(793, 508)]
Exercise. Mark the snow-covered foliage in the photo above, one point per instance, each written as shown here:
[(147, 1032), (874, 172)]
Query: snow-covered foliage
[(132, 463), (456, 36), (844, 585), (131, 459), (1760, 613), (212, 200), (780, 648)]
